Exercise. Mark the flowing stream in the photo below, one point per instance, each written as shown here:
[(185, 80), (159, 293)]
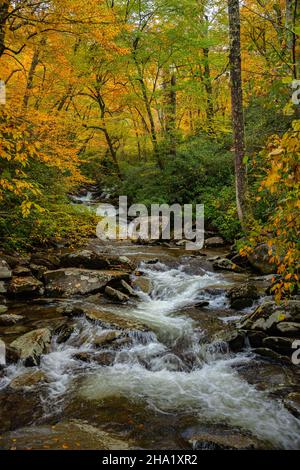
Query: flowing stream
[(169, 378)]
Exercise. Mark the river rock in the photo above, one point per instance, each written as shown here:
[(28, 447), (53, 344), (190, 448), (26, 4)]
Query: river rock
[(47, 259), (267, 316), (65, 435), (259, 259), (226, 440), (143, 283), (5, 270), (224, 264), (116, 294), (8, 320), (242, 296), (106, 338), (88, 259), (3, 309), (288, 329), (3, 287), (292, 403), (279, 344), (270, 354), (28, 379), (235, 339), (27, 286), (29, 347), (214, 242), (128, 289), (75, 281), (21, 271), (105, 318)]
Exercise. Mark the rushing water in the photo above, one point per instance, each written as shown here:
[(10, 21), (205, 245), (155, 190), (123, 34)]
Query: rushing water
[(170, 369)]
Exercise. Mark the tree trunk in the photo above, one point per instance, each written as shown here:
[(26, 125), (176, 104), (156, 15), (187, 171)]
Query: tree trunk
[(4, 7), (149, 112), (31, 73), (170, 109), (237, 106), (292, 7), (208, 89)]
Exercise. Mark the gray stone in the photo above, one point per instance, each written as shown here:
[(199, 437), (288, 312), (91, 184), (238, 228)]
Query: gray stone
[(128, 289), (279, 344), (3, 309), (143, 283), (106, 338), (8, 320), (25, 286), (3, 287), (116, 294), (21, 271), (260, 258), (28, 379), (224, 264), (29, 347), (269, 353), (292, 403), (5, 270), (289, 328), (242, 296), (74, 281), (214, 242)]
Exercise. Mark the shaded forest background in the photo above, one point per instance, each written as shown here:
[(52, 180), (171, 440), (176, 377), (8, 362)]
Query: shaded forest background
[(135, 95)]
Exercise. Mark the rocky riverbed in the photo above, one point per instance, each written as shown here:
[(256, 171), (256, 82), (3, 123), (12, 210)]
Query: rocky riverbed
[(126, 346)]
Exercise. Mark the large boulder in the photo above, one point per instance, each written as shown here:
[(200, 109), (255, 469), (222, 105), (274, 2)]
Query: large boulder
[(214, 242), (29, 347), (27, 286), (267, 316), (47, 259), (10, 319), (28, 379), (224, 264), (75, 281), (88, 259), (116, 295), (143, 283), (105, 318), (5, 270), (242, 296), (260, 259)]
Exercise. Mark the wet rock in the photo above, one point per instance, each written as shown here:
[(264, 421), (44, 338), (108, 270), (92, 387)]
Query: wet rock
[(105, 318), (29, 347), (106, 338), (71, 435), (267, 316), (242, 296), (88, 259), (202, 304), (235, 339), (49, 260), (269, 353), (279, 344), (38, 271), (28, 379), (128, 289), (287, 329), (292, 403), (18, 408), (214, 242), (116, 294), (27, 286), (3, 309), (10, 319), (21, 271), (3, 287), (224, 264), (105, 358), (5, 270), (259, 259), (84, 356), (255, 338), (143, 283), (223, 440), (151, 261), (74, 281)]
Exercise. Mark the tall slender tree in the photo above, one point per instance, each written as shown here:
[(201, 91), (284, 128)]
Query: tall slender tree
[(237, 106)]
